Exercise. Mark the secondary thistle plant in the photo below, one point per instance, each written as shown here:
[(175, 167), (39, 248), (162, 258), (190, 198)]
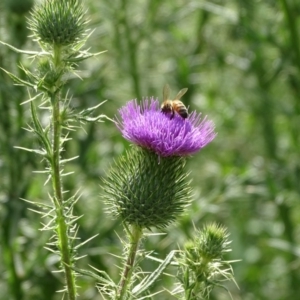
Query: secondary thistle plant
[(201, 263), (59, 28)]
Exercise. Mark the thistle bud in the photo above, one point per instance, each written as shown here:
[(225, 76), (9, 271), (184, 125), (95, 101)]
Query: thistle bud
[(212, 242), (201, 264), (58, 23)]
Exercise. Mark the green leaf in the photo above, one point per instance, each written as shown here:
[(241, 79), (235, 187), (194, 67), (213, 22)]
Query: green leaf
[(149, 280), (37, 151), (41, 53), (18, 80), (82, 55), (39, 129), (103, 279)]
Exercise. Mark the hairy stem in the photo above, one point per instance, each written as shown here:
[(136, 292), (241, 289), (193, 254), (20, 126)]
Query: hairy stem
[(188, 293), (135, 236), (62, 227)]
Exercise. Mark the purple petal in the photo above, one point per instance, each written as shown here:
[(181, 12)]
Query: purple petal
[(146, 126)]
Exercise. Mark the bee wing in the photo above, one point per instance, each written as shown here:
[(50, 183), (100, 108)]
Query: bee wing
[(166, 92), (181, 93)]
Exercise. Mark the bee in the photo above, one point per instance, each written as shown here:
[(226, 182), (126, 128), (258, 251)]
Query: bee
[(172, 106)]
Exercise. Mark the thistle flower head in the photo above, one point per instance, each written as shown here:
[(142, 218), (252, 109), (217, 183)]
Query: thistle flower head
[(57, 22), (141, 189), (146, 126)]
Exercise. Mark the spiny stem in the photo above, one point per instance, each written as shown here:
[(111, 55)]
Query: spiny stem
[(57, 55), (56, 150), (62, 227), (135, 236)]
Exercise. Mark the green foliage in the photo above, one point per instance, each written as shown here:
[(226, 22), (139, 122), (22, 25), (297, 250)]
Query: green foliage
[(239, 61)]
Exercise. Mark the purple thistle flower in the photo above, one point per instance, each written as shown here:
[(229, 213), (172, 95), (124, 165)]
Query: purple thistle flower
[(145, 125)]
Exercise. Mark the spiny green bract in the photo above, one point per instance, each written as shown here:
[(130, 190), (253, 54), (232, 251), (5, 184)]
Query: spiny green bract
[(57, 22), (146, 190)]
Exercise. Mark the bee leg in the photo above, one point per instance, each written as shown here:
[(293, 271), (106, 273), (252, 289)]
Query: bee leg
[(172, 115)]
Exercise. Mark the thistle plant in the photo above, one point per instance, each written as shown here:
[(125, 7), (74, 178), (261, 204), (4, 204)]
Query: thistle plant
[(148, 187), (59, 29)]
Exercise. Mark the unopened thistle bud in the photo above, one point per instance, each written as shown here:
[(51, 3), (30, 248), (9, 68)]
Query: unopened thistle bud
[(201, 265), (212, 242), (58, 23)]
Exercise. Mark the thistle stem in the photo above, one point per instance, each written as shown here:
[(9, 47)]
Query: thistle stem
[(134, 236), (62, 227), (56, 151)]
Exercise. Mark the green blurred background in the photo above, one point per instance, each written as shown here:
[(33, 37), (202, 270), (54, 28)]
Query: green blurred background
[(241, 63)]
